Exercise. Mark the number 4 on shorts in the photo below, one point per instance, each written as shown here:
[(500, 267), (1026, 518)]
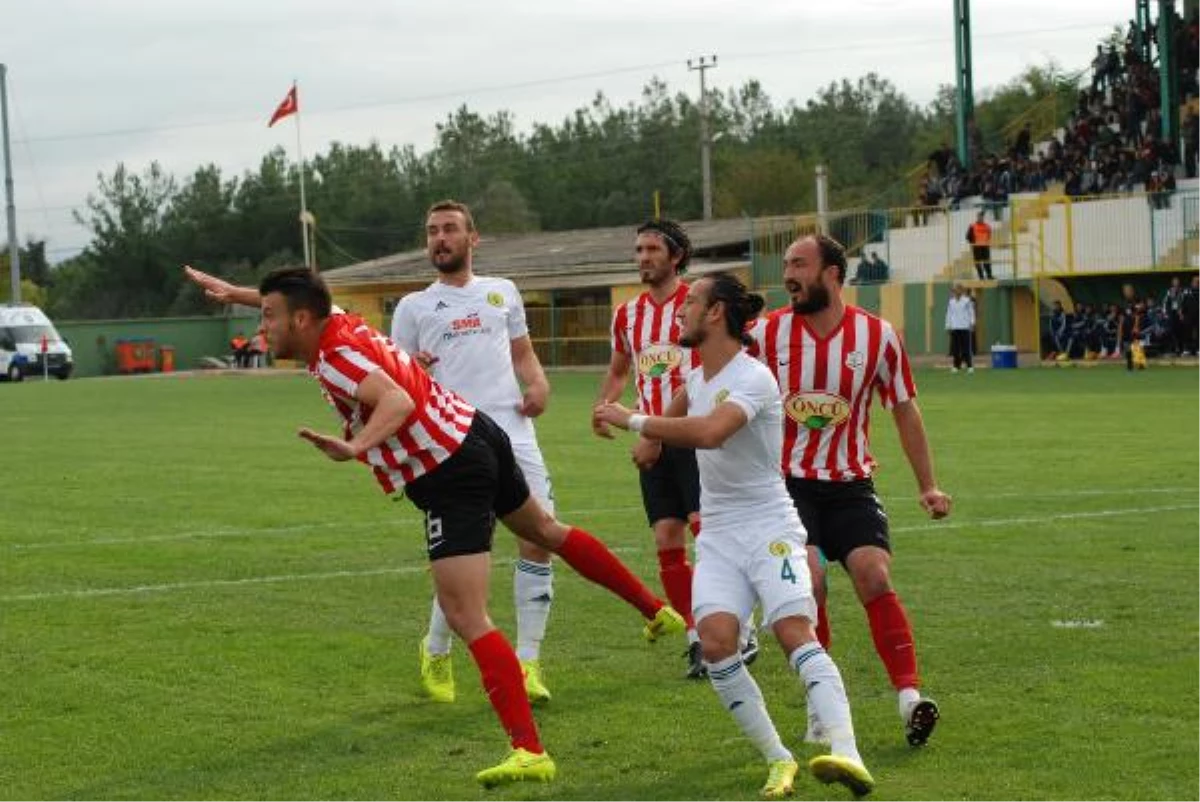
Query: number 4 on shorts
[(786, 573)]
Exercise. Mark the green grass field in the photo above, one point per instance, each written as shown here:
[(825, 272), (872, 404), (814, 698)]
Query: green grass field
[(196, 604)]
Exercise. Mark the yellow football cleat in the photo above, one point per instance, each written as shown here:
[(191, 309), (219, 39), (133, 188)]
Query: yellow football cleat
[(781, 779), (520, 766), (838, 769), (534, 687), (665, 622), (437, 676)]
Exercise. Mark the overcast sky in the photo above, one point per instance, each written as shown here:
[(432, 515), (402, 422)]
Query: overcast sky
[(185, 83)]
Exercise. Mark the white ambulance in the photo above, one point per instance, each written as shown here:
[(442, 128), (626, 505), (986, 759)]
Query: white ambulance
[(30, 345)]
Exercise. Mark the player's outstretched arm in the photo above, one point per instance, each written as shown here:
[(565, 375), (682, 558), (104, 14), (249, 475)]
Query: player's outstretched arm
[(708, 431), (391, 405), (646, 451), (220, 290), (911, 428)]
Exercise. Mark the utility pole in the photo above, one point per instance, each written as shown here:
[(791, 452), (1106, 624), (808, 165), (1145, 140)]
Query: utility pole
[(964, 107), (14, 254), (703, 64), (822, 199)]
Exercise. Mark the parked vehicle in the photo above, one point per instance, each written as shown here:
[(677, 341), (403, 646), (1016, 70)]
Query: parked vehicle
[(30, 345)]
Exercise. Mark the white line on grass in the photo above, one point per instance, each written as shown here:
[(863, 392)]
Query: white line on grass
[(1081, 623), (85, 593), (274, 531), (411, 569), (1038, 519), (199, 534)]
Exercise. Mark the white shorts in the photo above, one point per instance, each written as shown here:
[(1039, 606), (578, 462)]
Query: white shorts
[(529, 457), (737, 569)]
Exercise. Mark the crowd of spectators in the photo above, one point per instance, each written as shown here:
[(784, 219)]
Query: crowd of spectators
[(1110, 331), (1111, 143), (871, 270)]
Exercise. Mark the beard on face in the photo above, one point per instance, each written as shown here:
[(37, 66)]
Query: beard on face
[(816, 299), (691, 340), (452, 263), (653, 274)]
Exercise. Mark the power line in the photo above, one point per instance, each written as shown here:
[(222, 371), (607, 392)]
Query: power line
[(885, 44), (910, 42), (404, 101)]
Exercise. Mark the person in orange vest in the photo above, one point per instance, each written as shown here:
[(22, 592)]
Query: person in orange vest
[(241, 353), (257, 350), (979, 234)]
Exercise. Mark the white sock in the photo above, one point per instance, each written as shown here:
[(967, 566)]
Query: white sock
[(907, 698), (533, 590), (826, 697), (438, 640), (692, 636), (741, 696)]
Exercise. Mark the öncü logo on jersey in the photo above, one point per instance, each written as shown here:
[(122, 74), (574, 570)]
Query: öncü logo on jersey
[(659, 359), (817, 410)]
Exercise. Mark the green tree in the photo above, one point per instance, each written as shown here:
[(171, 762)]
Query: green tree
[(502, 209), (762, 181), (127, 272), (31, 291)]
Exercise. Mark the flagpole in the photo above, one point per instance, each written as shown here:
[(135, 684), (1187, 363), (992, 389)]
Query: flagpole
[(304, 215)]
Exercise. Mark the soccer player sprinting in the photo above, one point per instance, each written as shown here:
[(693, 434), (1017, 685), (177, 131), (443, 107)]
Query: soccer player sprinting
[(829, 358), (753, 546), (455, 464), (645, 337), (469, 333)]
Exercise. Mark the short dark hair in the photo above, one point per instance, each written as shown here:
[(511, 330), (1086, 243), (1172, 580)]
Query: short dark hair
[(676, 238), (741, 307), (449, 205), (302, 289), (833, 254)]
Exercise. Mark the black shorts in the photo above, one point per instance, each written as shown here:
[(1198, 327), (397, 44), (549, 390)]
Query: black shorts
[(840, 516), (462, 497), (671, 488)]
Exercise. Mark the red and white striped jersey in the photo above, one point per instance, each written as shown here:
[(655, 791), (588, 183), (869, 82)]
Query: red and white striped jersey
[(649, 334), (826, 384), (349, 350)]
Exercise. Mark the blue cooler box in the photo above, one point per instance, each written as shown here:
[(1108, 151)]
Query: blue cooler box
[(1004, 356)]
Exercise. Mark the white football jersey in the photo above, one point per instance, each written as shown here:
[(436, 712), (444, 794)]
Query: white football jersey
[(470, 330), (741, 485)]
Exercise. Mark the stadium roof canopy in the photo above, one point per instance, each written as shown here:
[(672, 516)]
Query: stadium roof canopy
[(580, 258)]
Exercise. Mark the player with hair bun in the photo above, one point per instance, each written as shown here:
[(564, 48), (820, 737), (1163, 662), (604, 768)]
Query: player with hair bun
[(645, 339), (753, 547)]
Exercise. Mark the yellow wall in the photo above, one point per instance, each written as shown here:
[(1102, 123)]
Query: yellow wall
[(1025, 320), (891, 306), (367, 300)]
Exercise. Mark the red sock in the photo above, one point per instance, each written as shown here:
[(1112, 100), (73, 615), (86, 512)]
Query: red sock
[(592, 560), (694, 525), (505, 686), (824, 636), (676, 576), (893, 640)]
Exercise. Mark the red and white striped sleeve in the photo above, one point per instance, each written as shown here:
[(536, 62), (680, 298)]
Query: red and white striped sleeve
[(620, 344), (893, 375), (342, 369)]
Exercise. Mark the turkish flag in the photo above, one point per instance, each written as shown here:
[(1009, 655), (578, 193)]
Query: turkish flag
[(45, 344), (290, 105)]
